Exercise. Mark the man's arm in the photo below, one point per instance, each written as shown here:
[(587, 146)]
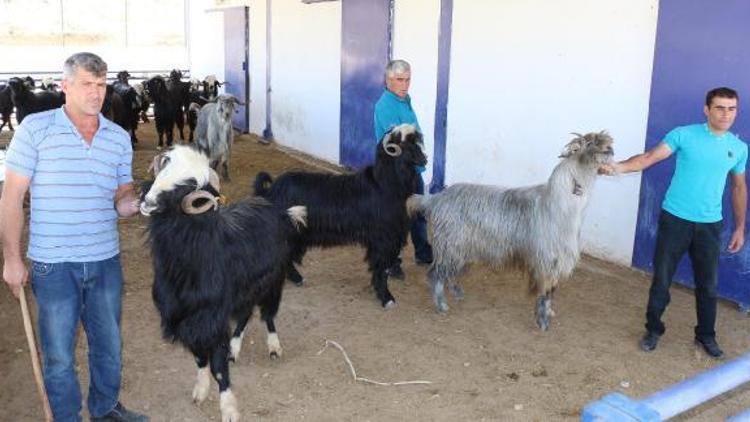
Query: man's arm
[(739, 205), (126, 200), (639, 162), (15, 273)]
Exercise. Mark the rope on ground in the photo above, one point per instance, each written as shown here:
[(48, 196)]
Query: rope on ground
[(365, 380)]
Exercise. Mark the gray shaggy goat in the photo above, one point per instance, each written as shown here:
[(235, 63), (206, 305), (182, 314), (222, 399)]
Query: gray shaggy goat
[(535, 227), (213, 132)]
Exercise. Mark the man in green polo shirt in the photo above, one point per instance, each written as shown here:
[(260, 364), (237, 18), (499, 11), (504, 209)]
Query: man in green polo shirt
[(691, 217)]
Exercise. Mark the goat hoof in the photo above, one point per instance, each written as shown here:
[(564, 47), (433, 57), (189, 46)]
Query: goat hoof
[(458, 292), (442, 307), (389, 305), (298, 283), (273, 355), (543, 323)]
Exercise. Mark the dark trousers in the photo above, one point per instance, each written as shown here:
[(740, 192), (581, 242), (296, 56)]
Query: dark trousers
[(702, 242), (422, 247)]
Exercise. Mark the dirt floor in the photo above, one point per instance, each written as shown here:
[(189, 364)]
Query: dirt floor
[(485, 358)]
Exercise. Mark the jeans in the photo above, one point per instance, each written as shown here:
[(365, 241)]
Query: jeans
[(65, 293), (702, 242), (422, 247)]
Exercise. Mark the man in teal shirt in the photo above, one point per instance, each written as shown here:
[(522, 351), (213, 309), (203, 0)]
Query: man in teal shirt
[(392, 109), (691, 218)]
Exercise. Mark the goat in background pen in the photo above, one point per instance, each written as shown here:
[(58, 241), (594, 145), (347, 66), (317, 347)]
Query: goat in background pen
[(536, 227)]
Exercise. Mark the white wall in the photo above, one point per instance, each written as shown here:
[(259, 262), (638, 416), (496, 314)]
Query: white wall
[(538, 70), (257, 66), (121, 32), (416, 41), (206, 39), (306, 76)]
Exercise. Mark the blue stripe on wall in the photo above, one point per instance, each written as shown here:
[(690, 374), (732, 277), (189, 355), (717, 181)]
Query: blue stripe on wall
[(441, 101), (365, 39), (700, 45)]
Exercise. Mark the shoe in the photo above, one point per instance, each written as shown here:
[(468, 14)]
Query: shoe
[(121, 414), (649, 341), (711, 347), (395, 272)]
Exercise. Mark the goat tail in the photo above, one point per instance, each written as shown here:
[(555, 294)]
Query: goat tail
[(262, 185), (417, 204), (298, 216)]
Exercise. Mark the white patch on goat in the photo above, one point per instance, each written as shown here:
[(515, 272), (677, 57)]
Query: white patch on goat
[(228, 406), (235, 345), (298, 215), (211, 79), (405, 130), (202, 384), (184, 163), (274, 345)]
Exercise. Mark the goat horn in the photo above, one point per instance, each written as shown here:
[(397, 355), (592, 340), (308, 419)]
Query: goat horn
[(189, 199), (213, 179), (391, 149)]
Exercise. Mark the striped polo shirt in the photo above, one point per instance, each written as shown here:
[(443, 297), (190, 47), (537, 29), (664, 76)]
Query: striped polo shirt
[(73, 185)]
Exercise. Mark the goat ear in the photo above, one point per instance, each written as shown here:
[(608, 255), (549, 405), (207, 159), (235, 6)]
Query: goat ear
[(573, 147)]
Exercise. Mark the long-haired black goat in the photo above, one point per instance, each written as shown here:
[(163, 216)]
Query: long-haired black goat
[(167, 110), (27, 101), (213, 263), (366, 208), (537, 226)]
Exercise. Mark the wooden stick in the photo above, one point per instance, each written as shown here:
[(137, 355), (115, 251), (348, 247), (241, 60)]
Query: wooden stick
[(35, 365)]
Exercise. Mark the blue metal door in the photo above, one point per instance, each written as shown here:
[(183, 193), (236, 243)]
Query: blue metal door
[(698, 47), (236, 55), (365, 43)]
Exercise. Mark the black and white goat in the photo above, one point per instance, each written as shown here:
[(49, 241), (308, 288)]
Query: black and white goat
[(229, 260), (536, 227), (214, 133), (366, 208), (27, 102)]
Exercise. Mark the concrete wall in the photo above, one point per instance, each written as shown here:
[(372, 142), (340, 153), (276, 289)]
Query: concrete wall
[(415, 40), (305, 76), (257, 66), (538, 70), (524, 74), (206, 39)]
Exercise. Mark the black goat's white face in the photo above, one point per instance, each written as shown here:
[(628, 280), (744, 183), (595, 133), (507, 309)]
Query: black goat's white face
[(176, 167), (591, 148), (405, 140)]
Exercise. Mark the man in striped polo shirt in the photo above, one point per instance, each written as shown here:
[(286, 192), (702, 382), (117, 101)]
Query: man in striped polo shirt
[(691, 216), (78, 167)]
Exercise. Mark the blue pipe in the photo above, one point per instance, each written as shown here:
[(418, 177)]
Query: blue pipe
[(675, 399), (700, 388)]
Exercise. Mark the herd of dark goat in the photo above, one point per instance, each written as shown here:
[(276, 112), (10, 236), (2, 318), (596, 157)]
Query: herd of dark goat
[(124, 104)]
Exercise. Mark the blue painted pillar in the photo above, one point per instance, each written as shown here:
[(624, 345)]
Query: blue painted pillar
[(441, 102)]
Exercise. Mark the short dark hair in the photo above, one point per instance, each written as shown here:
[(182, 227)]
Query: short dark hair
[(722, 92)]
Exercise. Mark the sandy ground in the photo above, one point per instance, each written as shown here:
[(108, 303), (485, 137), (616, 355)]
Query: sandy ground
[(485, 358)]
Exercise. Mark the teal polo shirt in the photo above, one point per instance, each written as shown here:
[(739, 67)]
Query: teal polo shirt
[(391, 111), (703, 162)]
